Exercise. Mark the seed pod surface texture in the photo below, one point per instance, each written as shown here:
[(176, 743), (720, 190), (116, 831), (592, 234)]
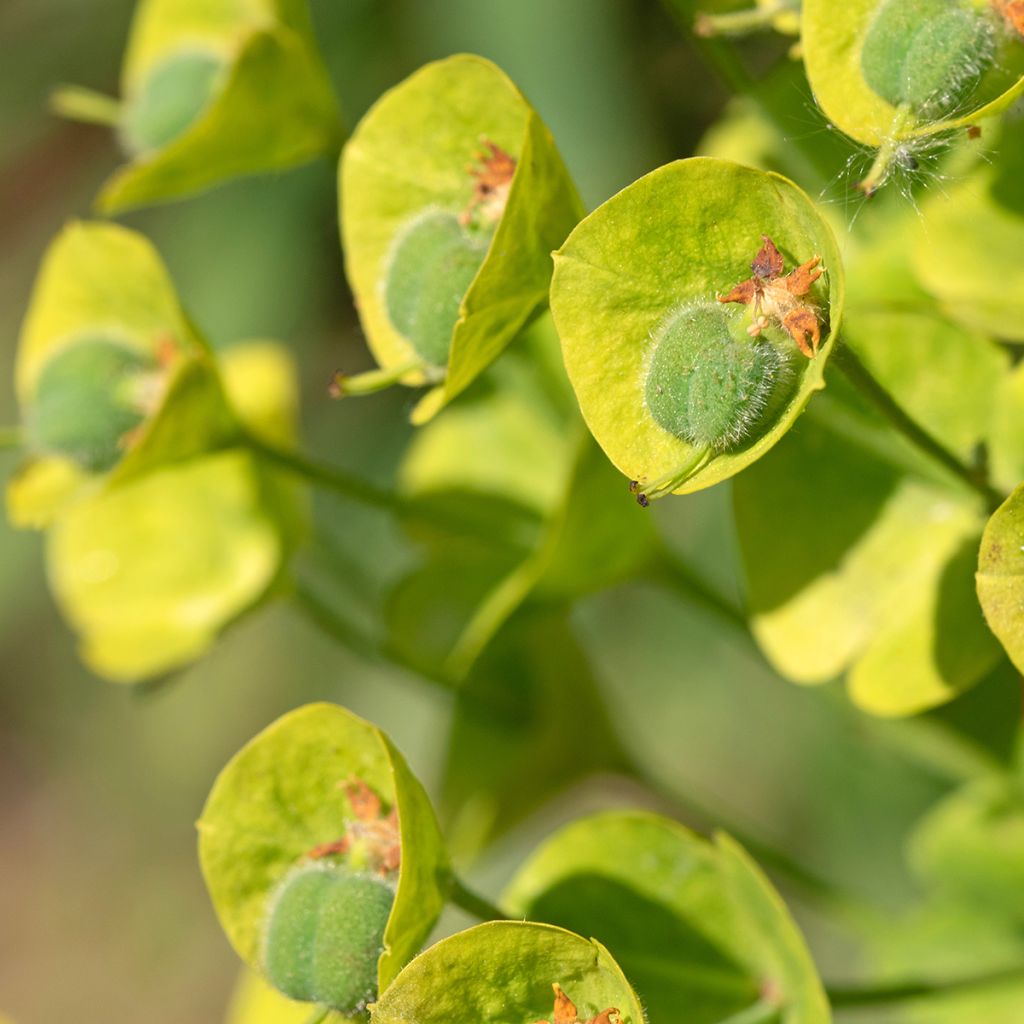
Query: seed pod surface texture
[(708, 382), (171, 98), (432, 265), (927, 54), (89, 396), (324, 935)]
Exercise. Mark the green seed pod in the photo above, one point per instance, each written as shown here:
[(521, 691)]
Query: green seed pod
[(325, 933), (172, 97), (432, 266), (89, 396), (709, 383), (927, 54)]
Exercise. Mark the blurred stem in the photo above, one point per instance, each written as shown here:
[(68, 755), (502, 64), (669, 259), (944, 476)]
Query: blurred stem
[(762, 1012), (740, 23), (861, 378), (321, 474), (469, 901), (847, 997), (10, 437), (77, 103)]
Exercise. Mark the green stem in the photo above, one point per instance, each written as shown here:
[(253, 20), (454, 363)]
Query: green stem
[(473, 903), (764, 1011), (80, 104), (847, 997), (373, 380), (861, 377), (10, 438), (879, 172), (329, 477), (740, 23)]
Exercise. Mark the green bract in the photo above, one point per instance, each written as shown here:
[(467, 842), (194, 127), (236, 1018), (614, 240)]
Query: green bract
[(886, 71), (283, 796), (502, 973), (876, 581), (670, 383), (1000, 576), (255, 1001), (212, 91), (693, 923), (110, 376), (325, 933), (449, 260)]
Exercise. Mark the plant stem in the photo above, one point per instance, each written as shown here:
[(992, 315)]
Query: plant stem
[(330, 477), (473, 903), (77, 103), (843, 996), (861, 377), (321, 1013), (10, 438), (740, 23), (372, 381), (763, 1011), (879, 171)]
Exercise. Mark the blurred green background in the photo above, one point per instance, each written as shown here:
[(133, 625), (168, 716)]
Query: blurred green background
[(103, 915)]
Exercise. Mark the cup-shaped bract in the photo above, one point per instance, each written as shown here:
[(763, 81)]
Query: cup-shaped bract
[(510, 972), (110, 376), (693, 922), (685, 372), (318, 799), (890, 70), (148, 573), (216, 90), (452, 197)]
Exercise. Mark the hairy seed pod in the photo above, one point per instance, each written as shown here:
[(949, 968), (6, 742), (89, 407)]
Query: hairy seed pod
[(927, 54), (708, 383), (433, 263), (171, 98), (89, 397), (325, 932)]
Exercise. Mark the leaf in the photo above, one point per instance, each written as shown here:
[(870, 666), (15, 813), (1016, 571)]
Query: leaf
[(977, 225), (104, 281), (970, 848), (279, 797), (254, 1001), (834, 54), (409, 156), (679, 236), (502, 972), (149, 574), (272, 108), (874, 578), (696, 926), (1000, 578)]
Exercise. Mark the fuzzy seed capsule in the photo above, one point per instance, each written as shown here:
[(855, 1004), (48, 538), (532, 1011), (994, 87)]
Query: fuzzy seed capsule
[(325, 933), (709, 383), (433, 263), (89, 398), (170, 100), (927, 54)]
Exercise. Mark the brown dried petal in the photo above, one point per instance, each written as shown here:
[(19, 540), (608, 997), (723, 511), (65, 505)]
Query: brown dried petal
[(768, 262)]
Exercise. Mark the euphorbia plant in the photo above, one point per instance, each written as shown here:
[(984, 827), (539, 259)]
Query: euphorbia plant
[(846, 388)]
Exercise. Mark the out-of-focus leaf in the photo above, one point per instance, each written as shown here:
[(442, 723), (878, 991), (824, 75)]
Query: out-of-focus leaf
[(269, 106), (697, 927), (255, 1002)]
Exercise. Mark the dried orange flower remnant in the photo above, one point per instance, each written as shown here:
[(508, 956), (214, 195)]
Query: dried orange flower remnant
[(1013, 12), (371, 837), (493, 172), (566, 1013), (775, 297)]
